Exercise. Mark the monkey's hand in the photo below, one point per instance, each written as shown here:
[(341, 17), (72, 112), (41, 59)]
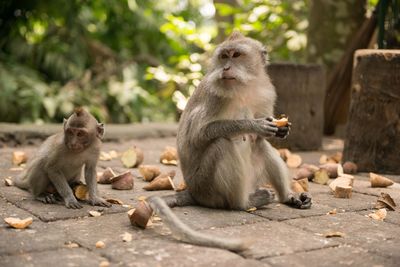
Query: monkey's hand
[(72, 203), (283, 131), (266, 127), (98, 201), (302, 201)]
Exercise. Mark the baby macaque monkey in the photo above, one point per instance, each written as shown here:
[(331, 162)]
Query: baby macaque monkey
[(60, 159), (222, 146)]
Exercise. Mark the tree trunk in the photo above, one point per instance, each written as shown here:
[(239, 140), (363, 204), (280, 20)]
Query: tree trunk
[(373, 131)]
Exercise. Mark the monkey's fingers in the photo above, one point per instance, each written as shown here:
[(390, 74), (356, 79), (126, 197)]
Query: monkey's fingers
[(282, 132), (73, 205), (99, 202)]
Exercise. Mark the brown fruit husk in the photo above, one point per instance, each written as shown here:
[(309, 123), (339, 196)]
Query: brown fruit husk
[(304, 173), (345, 180), (304, 183), (293, 161), (350, 167), (169, 156), (149, 172), (132, 157), (342, 191), (385, 201), (182, 186), (161, 182), (296, 187), (379, 180), (17, 223), (321, 177), (331, 168), (81, 192), (19, 157), (141, 215), (124, 181), (106, 176), (114, 201)]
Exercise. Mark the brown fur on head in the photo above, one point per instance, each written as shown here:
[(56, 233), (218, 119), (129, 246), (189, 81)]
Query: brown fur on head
[(81, 129)]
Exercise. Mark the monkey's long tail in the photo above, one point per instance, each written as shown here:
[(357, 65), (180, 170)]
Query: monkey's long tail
[(20, 182), (188, 235)]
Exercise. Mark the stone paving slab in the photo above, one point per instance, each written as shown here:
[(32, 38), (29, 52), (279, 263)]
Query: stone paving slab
[(356, 202), (336, 256), (63, 257), (273, 238)]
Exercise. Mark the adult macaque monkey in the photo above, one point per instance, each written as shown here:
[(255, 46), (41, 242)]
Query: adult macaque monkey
[(59, 161), (222, 144)]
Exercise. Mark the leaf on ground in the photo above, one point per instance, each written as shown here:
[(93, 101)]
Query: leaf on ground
[(385, 201), (379, 215)]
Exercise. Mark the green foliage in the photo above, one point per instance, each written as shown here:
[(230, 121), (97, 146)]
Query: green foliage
[(128, 60)]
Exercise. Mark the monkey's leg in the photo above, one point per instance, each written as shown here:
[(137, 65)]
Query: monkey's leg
[(61, 184), (278, 174), (179, 199), (90, 178), (261, 197)]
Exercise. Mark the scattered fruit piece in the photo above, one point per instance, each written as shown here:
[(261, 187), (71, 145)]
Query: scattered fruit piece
[(114, 201), (293, 161), (323, 159), (124, 181), (281, 122), (304, 183), (337, 157), (345, 180), (251, 209), (106, 176), (284, 153), (162, 182), (342, 191), (321, 177), (332, 212), (100, 244), (141, 215), (94, 213), (169, 156), (81, 192), (70, 244), (142, 198), (378, 214), (334, 234), (296, 187), (8, 181), (132, 158), (385, 201), (19, 157), (104, 264), (331, 168), (350, 167), (182, 186), (379, 180), (304, 173), (104, 156), (149, 172), (127, 237), (17, 223)]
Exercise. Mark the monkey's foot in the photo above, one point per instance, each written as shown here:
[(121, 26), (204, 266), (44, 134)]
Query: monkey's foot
[(98, 201), (47, 198), (302, 201), (72, 204), (261, 197)]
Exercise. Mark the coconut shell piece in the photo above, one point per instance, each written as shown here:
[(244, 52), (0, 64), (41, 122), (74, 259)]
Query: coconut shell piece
[(106, 176), (132, 158), (379, 180), (345, 180), (342, 191), (169, 156), (161, 182), (350, 167), (331, 168), (19, 157), (293, 161), (17, 223), (321, 177), (81, 192), (304, 173), (124, 181), (296, 187), (385, 201), (182, 186), (149, 172), (141, 215)]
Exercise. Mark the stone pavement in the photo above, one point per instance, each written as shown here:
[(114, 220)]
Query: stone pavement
[(279, 235)]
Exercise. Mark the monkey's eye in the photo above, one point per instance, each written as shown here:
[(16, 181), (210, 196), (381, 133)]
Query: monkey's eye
[(236, 54), (79, 134), (224, 56)]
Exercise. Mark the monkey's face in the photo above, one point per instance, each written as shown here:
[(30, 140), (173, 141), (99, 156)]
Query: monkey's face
[(77, 139), (237, 63)]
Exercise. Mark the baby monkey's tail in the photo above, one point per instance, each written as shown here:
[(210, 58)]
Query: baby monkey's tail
[(184, 233)]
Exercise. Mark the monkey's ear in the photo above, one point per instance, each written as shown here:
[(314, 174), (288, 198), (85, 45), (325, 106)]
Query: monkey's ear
[(100, 130), (65, 122)]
